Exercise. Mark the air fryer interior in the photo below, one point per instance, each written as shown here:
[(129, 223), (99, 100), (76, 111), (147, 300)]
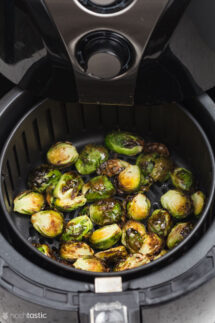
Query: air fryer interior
[(52, 121)]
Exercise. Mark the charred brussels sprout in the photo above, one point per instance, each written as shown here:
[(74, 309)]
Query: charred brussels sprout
[(198, 199), (71, 251), (112, 167), (161, 254), (48, 223), (139, 207), (133, 235), (177, 203), (178, 233), (124, 143), (160, 222), (105, 212), (98, 188), (68, 204), (62, 154), (132, 261), (44, 249), (152, 245), (90, 264), (77, 229), (182, 179), (105, 237), (29, 202), (156, 147), (91, 157), (129, 179), (42, 177), (113, 254)]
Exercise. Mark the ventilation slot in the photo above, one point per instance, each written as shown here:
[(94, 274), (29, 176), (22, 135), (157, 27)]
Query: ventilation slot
[(6, 193), (10, 175), (16, 160), (26, 147), (37, 134)]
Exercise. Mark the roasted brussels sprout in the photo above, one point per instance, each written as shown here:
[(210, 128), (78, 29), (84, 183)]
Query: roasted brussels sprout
[(68, 186), (152, 244), (160, 222), (133, 235), (124, 143), (48, 223), (105, 212), (177, 203), (71, 251), (44, 248), (161, 254), (49, 195), (42, 177), (178, 233), (129, 179), (113, 254), (91, 157), (132, 261), (90, 264), (198, 199), (112, 167), (182, 179), (62, 154), (29, 202), (68, 205), (139, 207), (105, 237), (156, 147), (77, 229), (98, 188)]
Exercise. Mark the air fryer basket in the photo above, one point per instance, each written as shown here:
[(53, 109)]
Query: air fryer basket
[(82, 124)]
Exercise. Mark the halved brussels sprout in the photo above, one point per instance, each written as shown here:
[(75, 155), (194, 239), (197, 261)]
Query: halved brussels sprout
[(48, 223), (129, 179), (160, 222), (112, 167), (68, 186), (98, 188), (156, 147), (133, 235), (29, 202), (77, 229), (198, 199), (71, 251), (132, 261), (139, 207), (68, 205), (105, 237), (182, 178), (90, 264), (178, 233), (42, 177), (113, 254), (105, 212), (152, 244), (91, 157), (124, 143), (177, 203), (62, 154), (161, 254), (44, 248)]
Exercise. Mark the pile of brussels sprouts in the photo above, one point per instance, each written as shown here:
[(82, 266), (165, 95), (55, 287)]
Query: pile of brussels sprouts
[(114, 228)]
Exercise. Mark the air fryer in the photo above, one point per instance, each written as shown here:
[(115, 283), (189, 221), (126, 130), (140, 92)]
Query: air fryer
[(80, 69)]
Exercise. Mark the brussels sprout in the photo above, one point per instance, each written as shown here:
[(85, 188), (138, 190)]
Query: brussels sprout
[(139, 207), (49, 195), (133, 235), (156, 147), (161, 254), (182, 179), (129, 179), (178, 233), (68, 205), (42, 177), (62, 154), (112, 167), (29, 202), (71, 251), (132, 261), (90, 264), (160, 222), (48, 223), (124, 143), (98, 188), (68, 186), (105, 212), (44, 249), (177, 203), (152, 244), (105, 237), (77, 229), (113, 254), (91, 157), (198, 199)]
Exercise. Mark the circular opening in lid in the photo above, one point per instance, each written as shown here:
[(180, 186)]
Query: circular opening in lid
[(105, 6)]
